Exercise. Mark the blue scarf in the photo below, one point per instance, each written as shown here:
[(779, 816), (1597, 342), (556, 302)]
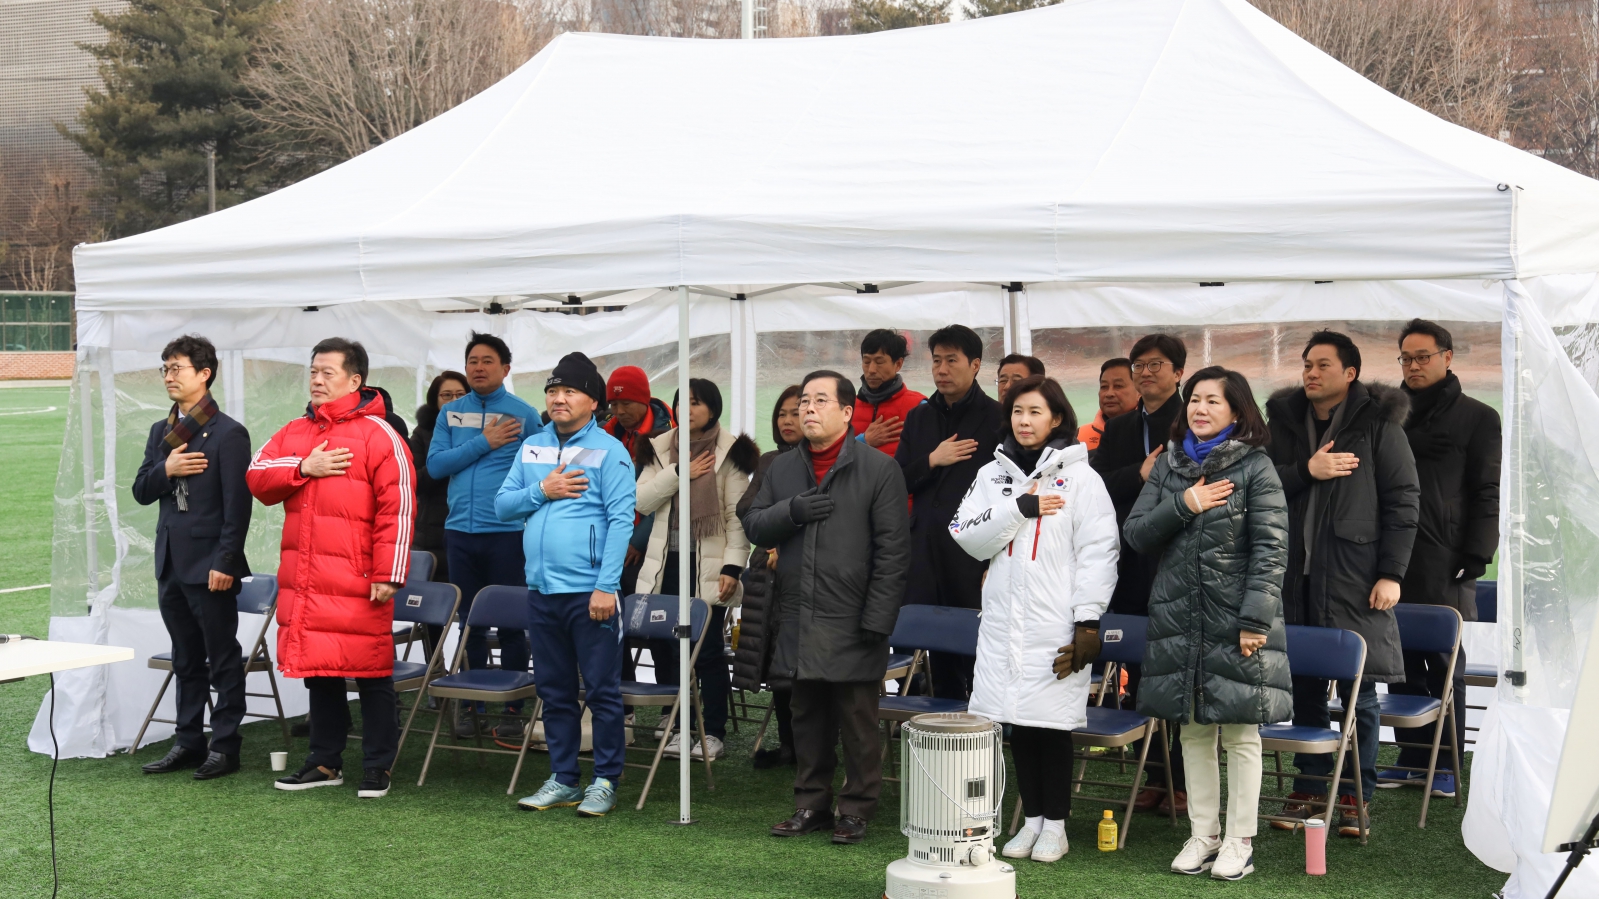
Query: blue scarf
[(1199, 451)]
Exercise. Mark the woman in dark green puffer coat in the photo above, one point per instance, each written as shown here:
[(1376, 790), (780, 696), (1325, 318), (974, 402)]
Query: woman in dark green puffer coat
[(1214, 513)]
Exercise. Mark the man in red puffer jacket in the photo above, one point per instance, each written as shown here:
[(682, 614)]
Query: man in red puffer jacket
[(346, 482)]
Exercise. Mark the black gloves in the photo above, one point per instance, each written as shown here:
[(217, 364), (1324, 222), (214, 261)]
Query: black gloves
[(810, 506), (1465, 568), (872, 638), (1429, 444), (1027, 503)]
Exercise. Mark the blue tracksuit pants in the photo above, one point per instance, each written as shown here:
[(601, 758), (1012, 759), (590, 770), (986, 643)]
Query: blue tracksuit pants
[(565, 641)]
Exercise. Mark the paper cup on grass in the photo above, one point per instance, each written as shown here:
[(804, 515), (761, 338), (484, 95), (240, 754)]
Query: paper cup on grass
[(280, 761)]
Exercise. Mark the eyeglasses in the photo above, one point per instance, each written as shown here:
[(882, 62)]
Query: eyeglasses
[(446, 396), (168, 369), (1151, 367), (1422, 359), (818, 403)]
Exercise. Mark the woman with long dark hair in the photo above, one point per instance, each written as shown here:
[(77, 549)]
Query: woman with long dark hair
[(1044, 522), (720, 466), (757, 620), (1217, 656), (432, 494)]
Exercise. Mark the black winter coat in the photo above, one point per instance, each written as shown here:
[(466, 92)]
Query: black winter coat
[(936, 493), (432, 494), (840, 580), (1456, 443), (1217, 573), (756, 626), (1120, 455), (1365, 523)]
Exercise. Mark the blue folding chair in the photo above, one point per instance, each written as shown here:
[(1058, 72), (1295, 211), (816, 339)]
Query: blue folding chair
[(653, 616), (258, 595), (420, 568), (925, 629), (492, 607), (1123, 639), (420, 604), (1435, 629), (1480, 675), (1330, 654)]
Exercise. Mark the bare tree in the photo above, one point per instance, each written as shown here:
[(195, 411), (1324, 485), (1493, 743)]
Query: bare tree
[(338, 77), (1446, 56), (58, 220), (1554, 56)]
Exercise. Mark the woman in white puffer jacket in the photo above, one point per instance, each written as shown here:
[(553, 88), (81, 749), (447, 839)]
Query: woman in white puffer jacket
[(1044, 521)]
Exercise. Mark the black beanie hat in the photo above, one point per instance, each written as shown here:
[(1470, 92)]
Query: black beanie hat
[(577, 371), (708, 394)]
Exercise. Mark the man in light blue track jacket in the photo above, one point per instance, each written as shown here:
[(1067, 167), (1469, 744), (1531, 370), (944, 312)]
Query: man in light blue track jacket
[(474, 444), (572, 485)]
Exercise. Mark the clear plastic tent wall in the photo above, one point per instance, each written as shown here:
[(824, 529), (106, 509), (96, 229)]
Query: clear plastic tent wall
[(1530, 349)]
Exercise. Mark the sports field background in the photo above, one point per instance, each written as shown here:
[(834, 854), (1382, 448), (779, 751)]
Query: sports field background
[(124, 834)]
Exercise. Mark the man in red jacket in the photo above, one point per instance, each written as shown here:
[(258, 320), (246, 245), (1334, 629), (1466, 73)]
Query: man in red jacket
[(883, 401), (346, 482)]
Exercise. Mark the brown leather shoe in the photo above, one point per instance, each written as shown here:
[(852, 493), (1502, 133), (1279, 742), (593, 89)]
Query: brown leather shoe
[(1300, 808), (804, 821), (1148, 799), (1181, 803), (849, 830)]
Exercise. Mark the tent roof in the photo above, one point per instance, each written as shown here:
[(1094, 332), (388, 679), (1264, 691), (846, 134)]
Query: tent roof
[(1103, 140)]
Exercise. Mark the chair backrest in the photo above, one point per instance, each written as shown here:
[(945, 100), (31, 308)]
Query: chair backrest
[(1122, 638), (497, 606), (1326, 652), (1427, 628), (652, 616), (1488, 601), (257, 593), (425, 602), (421, 567), (936, 629)]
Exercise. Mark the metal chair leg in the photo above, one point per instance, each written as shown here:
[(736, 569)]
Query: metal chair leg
[(527, 738), (277, 700), (760, 735), (660, 750), (146, 725)]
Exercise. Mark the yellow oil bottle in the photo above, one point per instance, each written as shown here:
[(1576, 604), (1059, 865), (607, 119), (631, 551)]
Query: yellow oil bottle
[(1107, 832)]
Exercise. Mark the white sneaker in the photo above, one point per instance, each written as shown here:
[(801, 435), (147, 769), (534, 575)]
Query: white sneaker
[(1021, 845), (674, 746), (1197, 857), (1236, 859), (713, 743), (1050, 846)]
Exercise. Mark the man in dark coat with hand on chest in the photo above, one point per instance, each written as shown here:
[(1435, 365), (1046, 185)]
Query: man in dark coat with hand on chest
[(835, 511), (194, 465), (946, 441)]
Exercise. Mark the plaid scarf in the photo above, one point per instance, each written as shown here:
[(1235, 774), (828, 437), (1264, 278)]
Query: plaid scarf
[(180, 430)]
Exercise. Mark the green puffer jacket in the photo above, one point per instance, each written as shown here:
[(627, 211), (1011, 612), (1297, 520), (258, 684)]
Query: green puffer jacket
[(1220, 572)]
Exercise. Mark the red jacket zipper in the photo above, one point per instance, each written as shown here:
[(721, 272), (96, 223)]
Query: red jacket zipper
[(1037, 530)]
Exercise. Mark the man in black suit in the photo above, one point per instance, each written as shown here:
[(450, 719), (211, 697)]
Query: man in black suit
[(194, 465)]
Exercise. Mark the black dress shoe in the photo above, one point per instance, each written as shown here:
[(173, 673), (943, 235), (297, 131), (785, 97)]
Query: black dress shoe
[(217, 764), (774, 758), (849, 830), (176, 760), (805, 821)]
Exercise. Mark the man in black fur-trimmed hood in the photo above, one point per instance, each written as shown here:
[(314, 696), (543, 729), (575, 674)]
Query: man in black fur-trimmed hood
[(1353, 501)]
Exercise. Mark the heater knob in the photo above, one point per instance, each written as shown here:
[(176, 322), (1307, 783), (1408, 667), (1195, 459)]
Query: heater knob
[(979, 855)]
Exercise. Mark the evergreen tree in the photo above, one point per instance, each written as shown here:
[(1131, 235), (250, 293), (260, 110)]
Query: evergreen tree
[(977, 9), (884, 15), (172, 71)]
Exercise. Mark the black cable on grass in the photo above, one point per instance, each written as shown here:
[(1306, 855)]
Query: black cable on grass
[(55, 758)]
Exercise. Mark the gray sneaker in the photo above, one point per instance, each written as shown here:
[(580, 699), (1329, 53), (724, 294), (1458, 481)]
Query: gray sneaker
[(466, 726)]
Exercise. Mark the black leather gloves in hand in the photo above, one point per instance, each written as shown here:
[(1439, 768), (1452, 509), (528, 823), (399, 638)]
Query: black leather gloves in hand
[(873, 638), (1082, 652), (810, 506)]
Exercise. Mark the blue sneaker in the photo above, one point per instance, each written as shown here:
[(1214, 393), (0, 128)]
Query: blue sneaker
[(1388, 780), (1443, 784), (553, 794), (598, 799)]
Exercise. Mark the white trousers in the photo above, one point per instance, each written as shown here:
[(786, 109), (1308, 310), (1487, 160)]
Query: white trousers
[(1203, 771)]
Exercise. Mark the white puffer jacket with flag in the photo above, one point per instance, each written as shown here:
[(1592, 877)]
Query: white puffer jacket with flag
[(1044, 575)]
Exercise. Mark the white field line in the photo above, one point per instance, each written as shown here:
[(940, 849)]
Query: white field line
[(21, 589)]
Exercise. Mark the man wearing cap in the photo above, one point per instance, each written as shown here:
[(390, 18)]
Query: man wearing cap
[(571, 487)]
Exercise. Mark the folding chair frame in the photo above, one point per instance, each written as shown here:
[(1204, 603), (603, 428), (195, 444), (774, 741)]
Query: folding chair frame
[(1344, 742), (1445, 715), (459, 695), (259, 660)]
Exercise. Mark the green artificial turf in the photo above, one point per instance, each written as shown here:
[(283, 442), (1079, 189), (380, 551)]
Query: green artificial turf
[(124, 834)]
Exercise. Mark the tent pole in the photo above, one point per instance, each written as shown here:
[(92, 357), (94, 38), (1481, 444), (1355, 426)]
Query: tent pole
[(685, 548)]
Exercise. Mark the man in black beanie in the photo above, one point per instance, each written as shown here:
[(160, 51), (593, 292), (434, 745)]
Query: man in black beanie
[(572, 488)]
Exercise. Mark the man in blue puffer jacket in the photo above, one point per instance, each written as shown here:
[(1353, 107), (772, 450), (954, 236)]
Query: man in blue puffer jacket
[(573, 486), (474, 444)]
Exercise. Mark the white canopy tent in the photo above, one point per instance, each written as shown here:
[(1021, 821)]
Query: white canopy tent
[(1066, 173)]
